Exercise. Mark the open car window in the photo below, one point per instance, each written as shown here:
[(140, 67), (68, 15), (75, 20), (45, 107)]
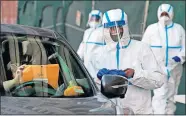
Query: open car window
[(50, 68)]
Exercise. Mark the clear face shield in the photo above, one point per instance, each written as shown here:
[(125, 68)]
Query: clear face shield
[(94, 21), (114, 32)]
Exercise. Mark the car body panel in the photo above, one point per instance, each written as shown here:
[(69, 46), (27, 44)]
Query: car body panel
[(33, 105)]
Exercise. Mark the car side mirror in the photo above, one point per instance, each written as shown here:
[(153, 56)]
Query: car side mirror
[(113, 86)]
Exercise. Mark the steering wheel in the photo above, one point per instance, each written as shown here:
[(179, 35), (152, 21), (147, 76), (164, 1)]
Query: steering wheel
[(24, 90)]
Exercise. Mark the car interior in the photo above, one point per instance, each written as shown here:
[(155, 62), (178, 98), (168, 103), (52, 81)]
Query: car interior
[(49, 66)]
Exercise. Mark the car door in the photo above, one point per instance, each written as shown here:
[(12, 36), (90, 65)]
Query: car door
[(2, 71)]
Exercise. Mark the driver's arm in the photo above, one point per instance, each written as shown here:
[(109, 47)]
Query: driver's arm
[(7, 85)]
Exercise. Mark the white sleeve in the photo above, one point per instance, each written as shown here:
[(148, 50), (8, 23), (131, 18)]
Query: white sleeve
[(148, 73), (93, 66), (181, 54), (96, 62), (146, 35), (81, 48)]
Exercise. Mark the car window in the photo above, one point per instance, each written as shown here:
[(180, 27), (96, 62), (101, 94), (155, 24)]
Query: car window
[(50, 68)]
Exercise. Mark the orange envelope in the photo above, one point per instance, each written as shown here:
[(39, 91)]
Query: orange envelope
[(48, 73)]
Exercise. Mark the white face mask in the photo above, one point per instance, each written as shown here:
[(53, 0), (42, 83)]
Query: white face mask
[(164, 20), (93, 24)]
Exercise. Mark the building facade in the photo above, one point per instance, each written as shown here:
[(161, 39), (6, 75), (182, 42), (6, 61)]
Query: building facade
[(9, 11)]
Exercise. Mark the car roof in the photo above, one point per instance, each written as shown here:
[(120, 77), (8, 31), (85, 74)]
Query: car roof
[(29, 30)]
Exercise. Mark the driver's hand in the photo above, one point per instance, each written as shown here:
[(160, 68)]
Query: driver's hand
[(11, 83), (18, 75)]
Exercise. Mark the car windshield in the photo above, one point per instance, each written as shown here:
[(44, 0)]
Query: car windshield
[(50, 67)]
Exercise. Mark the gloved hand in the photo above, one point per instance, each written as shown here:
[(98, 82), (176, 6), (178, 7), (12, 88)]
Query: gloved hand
[(11, 83), (176, 59), (129, 73), (102, 72), (112, 72)]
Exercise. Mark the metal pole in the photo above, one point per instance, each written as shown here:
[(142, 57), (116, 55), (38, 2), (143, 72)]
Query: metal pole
[(145, 15), (93, 4)]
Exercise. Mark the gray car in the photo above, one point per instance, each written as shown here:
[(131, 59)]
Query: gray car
[(54, 80)]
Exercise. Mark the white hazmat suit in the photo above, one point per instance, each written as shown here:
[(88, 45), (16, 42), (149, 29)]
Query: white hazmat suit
[(88, 43), (167, 40), (125, 54)]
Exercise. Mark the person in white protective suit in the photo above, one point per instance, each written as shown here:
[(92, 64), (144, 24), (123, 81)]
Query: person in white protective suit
[(94, 21), (131, 56), (167, 40)]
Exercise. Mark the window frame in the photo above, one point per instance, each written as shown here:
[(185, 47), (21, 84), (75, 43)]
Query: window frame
[(59, 18), (2, 69), (42, 17), (26, 4), (76, 58)]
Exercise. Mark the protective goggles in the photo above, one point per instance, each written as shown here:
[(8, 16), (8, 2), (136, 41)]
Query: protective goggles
[(95, 18), (113, 24)]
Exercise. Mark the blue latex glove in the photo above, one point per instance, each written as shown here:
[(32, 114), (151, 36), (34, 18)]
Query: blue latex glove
[(102, 72), (112, 72), (117, 72), (176, 59)]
